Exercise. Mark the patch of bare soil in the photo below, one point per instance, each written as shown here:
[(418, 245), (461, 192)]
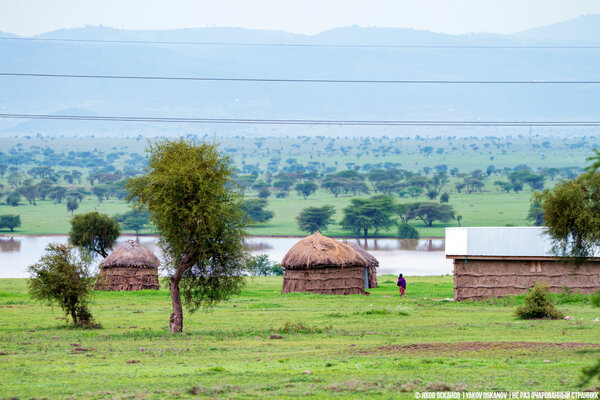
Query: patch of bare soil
[(478, 346)]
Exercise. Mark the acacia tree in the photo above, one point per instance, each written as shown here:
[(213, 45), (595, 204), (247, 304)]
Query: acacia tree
[(255, 210), (363, 214), (312, 219), (94, 232), (134, 220), (430, 212), (190, 193), (572, 216), (306, 188)]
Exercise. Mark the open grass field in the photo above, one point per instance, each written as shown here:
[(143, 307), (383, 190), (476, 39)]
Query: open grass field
[(478, 209), (262, 344)]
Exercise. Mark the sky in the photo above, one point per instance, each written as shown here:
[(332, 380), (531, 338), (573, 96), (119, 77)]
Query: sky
[(31, 17)]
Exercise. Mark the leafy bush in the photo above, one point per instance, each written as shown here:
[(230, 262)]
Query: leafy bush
[(538, 304), (406, 231), (299, 327), (13, 199), (596, 299), (60, 277), (261, 266)]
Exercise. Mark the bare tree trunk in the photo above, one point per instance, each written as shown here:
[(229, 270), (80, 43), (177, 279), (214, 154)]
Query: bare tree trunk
[(176, 320)]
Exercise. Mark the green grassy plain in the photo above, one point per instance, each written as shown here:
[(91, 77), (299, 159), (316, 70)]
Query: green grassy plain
[(478, 209), (375, 347), (488, 208)]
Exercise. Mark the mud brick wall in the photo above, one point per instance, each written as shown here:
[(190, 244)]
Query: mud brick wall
[(325, 280), (478, 279)]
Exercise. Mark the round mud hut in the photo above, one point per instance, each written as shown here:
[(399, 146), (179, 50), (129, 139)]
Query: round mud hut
[(130, 267), (318, 264), (372, 261)]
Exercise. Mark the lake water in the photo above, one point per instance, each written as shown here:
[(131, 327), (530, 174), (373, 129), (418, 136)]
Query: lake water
[(407, 256)]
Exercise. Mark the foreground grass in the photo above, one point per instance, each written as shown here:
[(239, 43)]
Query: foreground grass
[(263, 344)]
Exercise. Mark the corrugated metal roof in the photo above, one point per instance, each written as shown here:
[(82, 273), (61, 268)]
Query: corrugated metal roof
[(498, 242)]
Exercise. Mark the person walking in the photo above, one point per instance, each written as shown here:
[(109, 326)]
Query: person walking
[(402, 285)]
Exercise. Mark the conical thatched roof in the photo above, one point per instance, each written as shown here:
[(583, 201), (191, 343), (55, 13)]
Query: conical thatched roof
[(318, 251), (132, 255), (366, 255)]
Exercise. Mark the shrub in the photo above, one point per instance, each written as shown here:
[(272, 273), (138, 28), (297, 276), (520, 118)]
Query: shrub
[(592, 371), (261, 266), (406, 231), (596, 299), (59, 277), (538, 304), (13, 199)]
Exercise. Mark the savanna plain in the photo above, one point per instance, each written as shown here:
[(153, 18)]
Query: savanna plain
[(488, 181), (262, 344)]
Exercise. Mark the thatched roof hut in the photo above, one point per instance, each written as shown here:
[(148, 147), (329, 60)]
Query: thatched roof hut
[(319, 264), (130, 267), (372, 261)]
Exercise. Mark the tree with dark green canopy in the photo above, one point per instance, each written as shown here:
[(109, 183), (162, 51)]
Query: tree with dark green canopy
[(13, 198), (283, 185), (190, 192), (10, 221), (99, 192), (536, 213), (94, 232), (312, 219), (430, 212), (445, 197), (306, 188), (57, 193), (30, 192), (373, 213), (72, 204), (406, 211), (134, 220), (264, 193), (255, 210)]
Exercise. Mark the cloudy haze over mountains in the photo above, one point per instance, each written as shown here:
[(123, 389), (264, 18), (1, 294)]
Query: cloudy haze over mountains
[(339, 101)]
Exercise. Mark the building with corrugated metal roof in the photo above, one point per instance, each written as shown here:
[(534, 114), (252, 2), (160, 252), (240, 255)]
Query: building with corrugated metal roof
[(500, 261)]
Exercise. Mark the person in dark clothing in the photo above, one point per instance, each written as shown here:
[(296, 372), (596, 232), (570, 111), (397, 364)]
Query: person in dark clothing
[(402, 285)]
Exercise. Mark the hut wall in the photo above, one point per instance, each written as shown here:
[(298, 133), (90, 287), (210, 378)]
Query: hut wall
[(372, 276), (480, 279), (127, 279), (325, 280)]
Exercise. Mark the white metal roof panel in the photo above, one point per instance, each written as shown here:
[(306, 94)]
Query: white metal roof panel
[(498, 242)]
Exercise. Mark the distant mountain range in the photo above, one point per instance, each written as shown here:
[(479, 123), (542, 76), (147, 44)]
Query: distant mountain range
[(27, 95)]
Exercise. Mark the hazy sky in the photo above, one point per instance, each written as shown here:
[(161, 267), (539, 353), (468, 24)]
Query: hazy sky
[(29, 17)]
